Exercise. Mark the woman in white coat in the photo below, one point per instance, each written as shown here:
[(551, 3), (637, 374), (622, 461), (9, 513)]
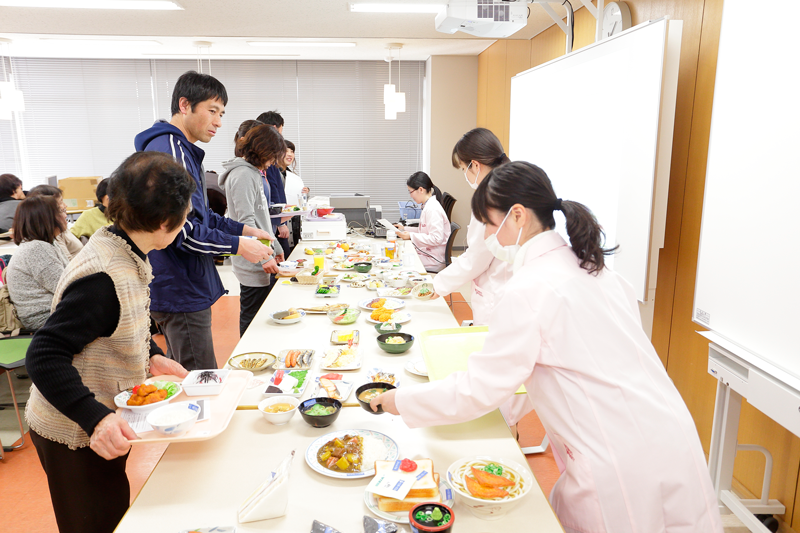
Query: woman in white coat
[(569, 330), (430, 238)]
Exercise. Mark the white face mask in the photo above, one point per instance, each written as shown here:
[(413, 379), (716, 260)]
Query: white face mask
[(503, 253), (471, 184)]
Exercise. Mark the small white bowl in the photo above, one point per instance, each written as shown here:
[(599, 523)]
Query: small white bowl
[(398, 281), (192, 387), (278, 419), (167, 420), (416, 281), (290, 321), (287, 264)]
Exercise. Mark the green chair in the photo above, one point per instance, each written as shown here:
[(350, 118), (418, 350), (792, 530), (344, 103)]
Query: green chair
[(12, 356)]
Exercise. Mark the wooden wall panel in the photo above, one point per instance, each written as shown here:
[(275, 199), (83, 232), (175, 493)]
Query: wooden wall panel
[(483, 87), (683, 352), (496, 105)]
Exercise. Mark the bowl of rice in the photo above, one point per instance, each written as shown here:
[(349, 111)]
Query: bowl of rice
[(174, 419)]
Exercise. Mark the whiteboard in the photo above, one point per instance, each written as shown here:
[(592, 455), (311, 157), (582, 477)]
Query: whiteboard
[(747, 290), (599, 122)]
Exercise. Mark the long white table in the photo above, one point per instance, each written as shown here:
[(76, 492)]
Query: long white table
[(202, 484)]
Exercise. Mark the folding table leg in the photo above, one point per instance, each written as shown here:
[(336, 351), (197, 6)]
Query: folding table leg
[(19, 418)]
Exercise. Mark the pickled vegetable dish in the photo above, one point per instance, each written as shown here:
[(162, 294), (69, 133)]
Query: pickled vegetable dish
[(342, 454)]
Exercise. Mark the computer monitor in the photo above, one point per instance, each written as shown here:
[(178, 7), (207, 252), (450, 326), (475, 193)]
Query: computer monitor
[(349, 201), (355, 208)]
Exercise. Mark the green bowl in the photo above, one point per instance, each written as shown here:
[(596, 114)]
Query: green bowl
[(396, 348), (363, 267), (397, 329)]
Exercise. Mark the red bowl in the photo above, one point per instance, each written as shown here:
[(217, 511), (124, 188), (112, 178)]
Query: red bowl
[(322, 211)]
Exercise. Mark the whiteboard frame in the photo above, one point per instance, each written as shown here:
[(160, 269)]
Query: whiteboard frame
[(663, 149)]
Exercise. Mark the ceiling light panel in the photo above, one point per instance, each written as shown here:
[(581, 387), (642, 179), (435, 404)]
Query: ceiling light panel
[(289, 44), (396, 8), (151, 5)]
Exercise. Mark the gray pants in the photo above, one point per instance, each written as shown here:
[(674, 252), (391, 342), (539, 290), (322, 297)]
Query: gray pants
[(188, 338)]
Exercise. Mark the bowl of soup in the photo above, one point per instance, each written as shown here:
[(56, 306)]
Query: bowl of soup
[(278, 410), (366, 392), (320, 412)]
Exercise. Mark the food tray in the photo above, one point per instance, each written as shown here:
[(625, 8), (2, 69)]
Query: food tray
[(222, 407), (447, 350), (280, 363), (287, 384)]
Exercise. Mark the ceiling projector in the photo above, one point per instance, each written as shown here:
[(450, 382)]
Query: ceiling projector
[(483, 18)]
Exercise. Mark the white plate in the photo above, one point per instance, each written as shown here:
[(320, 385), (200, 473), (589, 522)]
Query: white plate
[(344, 388), (342, 268), (353, 277), (392, 452), (391, 292), (280, 363), (377, 289), (402, 517), (417, 367), (356, 364), (398, 318), (290, 321), (391, 303), (374, 371), (287, 385), (121, 400)]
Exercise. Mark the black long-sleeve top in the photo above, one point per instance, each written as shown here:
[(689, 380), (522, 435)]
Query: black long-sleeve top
[(89, 309)]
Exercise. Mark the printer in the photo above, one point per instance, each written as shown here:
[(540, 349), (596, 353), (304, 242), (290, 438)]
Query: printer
[(331, 227)]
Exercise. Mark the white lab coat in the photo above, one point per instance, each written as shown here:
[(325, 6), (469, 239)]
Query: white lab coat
[(430, 238), (487, 274), (633, 457)]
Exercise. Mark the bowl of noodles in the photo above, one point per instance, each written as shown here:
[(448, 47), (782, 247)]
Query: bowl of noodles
[(489, 486)]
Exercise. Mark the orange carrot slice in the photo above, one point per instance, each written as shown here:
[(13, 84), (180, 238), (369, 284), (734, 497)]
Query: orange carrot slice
[(476, 490), (487, 479)]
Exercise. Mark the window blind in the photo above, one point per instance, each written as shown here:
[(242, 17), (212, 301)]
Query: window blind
[(82, 115)]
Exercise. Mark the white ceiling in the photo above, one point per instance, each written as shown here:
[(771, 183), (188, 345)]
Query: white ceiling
[(229, 25)]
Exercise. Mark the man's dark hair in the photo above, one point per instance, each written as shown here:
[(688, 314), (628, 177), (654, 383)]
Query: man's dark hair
[(9, 184), (197, 88), (37, 219), (102, 190), (272, 118), (149, 189), (45, 190)]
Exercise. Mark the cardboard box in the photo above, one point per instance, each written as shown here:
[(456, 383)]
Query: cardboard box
[(79, 193)]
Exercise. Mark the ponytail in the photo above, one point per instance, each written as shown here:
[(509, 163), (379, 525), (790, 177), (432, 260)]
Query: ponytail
[(479, 145), (420, 179), (528, 185)]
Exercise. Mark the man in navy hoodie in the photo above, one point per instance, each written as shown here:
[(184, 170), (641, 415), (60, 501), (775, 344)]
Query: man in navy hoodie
[(186, 283)]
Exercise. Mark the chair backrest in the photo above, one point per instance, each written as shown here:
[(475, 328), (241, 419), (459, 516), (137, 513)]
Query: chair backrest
[(448, 251), (448, 201)]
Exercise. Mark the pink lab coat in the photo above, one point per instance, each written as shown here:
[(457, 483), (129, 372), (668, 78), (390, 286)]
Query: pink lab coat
[(488, 276), (633, 457), (431, 236)]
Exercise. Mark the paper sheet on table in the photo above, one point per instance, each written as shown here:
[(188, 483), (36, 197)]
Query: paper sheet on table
[(293, 188), (271, 498)]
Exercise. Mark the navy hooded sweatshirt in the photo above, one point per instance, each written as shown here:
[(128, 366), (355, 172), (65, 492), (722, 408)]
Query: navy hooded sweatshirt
[(184, 277)]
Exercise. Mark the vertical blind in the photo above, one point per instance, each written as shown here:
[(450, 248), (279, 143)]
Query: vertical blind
[(82, 115)]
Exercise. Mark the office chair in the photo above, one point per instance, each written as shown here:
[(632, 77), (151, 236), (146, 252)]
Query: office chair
[(448, 202), (448, 251)]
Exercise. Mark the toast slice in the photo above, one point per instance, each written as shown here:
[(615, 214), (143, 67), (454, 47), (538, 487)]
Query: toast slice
[(392, 505), (427, 487)]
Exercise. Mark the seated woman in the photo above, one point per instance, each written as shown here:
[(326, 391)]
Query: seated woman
[(257, 149), (430, 238), (97, 343), (95, 218), (10, 196), (66, 240), (39, 262)]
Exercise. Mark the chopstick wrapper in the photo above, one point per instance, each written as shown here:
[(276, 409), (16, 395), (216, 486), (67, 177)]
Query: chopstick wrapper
[(271, 498)]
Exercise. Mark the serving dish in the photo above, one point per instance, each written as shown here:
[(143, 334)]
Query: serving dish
[(328, 291), (320, 421), (182, 417), (423, 291), (287, 383), (395, 349), (488, 509), (399, 317), (278, 419), (304, 356), (390, 303), (343, 389), (383, 375), (401, 517), (373, 385), (347, 278), (344, 316), (252, 361), (287, 321), (395, 292), (379, 327), (417, 367), (348, 358), (381, 448), (349, 335), (121, 399), (205, 382)]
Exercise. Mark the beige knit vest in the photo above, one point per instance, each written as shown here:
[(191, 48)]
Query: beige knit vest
[(108, 365)]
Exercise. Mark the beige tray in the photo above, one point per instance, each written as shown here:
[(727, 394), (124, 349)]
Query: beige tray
[(223, 406)]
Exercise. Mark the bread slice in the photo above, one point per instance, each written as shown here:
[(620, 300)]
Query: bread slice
[(392, 505), (427, 487)]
